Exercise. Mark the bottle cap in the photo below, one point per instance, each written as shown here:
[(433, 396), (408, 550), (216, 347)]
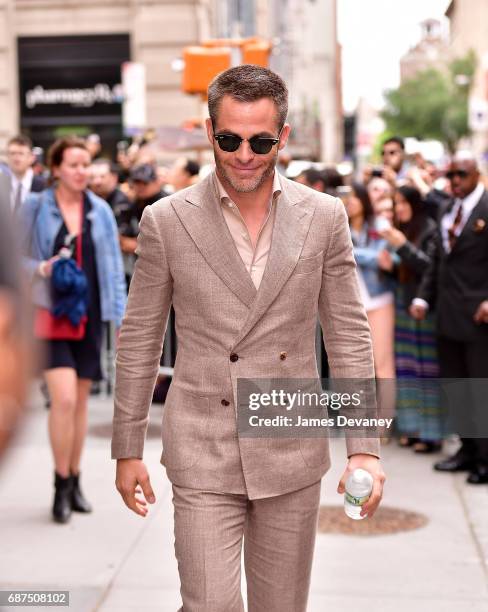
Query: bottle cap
[(361, 477)]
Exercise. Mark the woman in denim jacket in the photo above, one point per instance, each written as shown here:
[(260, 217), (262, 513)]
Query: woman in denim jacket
[(48, 221), (376, 288)]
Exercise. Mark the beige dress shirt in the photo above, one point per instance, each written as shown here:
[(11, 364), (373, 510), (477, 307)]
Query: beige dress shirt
[(254, 257)]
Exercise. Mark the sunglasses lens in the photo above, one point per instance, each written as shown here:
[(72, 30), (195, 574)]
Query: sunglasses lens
[(261, 146), (460, 173), (231, 142), (228, 143)]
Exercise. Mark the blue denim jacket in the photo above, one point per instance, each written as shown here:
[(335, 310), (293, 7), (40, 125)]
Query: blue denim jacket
[(40, 220), (366, 249)]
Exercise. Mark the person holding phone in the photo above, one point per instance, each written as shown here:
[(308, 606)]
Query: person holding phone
[(414, 239), (375, 286)]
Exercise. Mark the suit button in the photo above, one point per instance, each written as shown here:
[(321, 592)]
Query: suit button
[(224, 402), (283, 355), (234, 357)]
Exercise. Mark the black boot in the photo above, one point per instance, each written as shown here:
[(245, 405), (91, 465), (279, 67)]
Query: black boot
[(78, 502), (62, 498)]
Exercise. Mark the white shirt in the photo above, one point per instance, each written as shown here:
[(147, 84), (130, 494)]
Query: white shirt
[(255, 256), (468, 203), (26, 184)]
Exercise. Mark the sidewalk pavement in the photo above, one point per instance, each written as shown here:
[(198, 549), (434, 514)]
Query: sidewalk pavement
[(114, 561)]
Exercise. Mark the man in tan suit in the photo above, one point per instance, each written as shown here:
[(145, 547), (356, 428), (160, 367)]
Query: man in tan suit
[(249, 260)]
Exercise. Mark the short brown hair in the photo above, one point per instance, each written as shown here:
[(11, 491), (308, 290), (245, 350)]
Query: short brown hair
[(248, 83), (21, 140), (56, 150)]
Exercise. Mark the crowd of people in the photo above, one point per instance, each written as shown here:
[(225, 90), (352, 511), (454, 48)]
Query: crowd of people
[(85, 208), (420, 243), (419, 237)]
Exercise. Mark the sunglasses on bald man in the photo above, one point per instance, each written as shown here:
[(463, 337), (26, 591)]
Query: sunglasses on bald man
[(462, 174)]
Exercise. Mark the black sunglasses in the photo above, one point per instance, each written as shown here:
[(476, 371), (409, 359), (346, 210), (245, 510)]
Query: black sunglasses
[(461, 173), (259, 144)]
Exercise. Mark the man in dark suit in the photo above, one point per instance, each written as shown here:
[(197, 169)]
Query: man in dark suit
[(20, 159), (459, 278)]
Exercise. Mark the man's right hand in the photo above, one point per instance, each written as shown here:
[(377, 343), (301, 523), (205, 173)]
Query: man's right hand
[(132, 481)]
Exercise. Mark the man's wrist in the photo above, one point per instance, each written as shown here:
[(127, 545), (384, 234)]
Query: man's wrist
[(365, 454)]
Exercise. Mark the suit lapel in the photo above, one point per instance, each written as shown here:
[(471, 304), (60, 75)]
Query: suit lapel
[(480, 210), (199, 212), (291, 226)]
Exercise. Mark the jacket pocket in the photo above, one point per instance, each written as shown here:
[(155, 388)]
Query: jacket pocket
[(305, 265), (185, 422), (315, 451)]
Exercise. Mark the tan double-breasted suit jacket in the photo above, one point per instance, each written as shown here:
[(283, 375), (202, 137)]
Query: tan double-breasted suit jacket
[(227, 329)]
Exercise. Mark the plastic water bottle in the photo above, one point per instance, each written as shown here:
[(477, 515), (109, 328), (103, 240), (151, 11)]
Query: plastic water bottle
[(358, 489)]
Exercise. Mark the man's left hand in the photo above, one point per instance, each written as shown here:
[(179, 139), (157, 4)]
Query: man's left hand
[(481, 315), (371, 464)]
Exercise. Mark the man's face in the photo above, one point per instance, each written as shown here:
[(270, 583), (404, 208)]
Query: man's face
[(102, 181), (393, 155), (19, 158), (178, 176), (464, 177), (244, 170), (144, 191)]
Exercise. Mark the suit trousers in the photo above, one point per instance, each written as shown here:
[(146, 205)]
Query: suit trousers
[(467, 360), (279, 537)]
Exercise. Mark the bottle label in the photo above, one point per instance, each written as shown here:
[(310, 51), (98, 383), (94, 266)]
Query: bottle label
[(356, 501)]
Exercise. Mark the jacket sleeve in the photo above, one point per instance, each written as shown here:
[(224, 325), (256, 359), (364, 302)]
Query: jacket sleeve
[(25, 227), (415, 258), (343, 319), (118, 278), (141, 340), (427, 288)]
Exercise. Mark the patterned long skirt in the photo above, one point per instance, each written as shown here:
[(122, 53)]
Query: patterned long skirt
[(419, 411)]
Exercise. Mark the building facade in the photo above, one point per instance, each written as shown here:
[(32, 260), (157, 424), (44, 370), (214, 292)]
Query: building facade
[(60, 63), (468, 21), (307, 55), (430, 52)]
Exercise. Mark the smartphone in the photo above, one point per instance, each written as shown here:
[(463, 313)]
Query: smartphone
[(381, 224)]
